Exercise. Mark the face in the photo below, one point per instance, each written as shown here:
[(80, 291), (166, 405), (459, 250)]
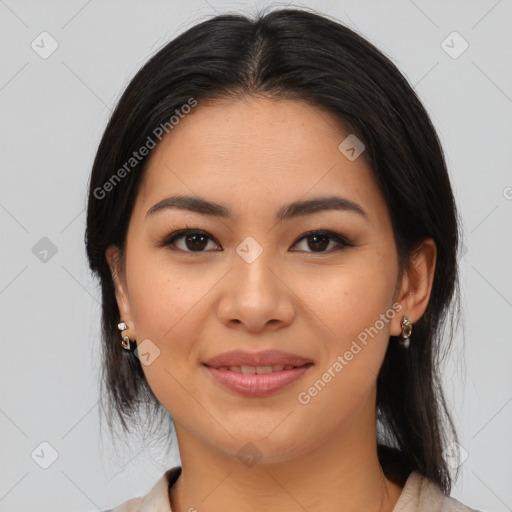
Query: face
[(321, 284)]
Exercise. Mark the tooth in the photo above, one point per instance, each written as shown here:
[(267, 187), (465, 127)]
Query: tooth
[(224, 368), (264, 369), (250, 370)]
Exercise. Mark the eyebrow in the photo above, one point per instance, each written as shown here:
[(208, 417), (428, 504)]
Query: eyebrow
[(296, 209)]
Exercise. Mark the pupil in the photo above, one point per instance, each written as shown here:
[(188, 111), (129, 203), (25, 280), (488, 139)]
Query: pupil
[(200, 245), (316, 244)]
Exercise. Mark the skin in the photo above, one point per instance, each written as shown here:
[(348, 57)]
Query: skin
[(253, 156)]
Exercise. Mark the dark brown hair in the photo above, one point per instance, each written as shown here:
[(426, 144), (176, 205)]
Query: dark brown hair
[(297, 54)]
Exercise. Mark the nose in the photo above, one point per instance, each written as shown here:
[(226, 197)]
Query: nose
[(255, 296)]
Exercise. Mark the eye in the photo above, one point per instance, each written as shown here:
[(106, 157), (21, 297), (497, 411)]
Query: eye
[(196, 240), (319, 240)]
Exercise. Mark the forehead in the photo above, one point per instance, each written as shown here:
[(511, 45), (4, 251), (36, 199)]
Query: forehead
[(256, 149), (234, 130)]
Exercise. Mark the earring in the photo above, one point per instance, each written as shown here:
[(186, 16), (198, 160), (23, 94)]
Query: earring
[(406, 327), (125, 340), (406, 332)]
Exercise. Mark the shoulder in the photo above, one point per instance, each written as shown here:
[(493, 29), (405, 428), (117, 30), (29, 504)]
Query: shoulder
[(131, 505), (421, 494), (156, 499)]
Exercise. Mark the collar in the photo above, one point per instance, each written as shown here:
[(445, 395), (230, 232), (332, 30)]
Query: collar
[(419, 494), (157, 499)]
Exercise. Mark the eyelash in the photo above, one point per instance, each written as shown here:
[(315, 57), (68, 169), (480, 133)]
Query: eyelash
[(182, 233)]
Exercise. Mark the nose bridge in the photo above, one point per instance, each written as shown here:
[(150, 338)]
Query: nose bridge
[(253, 275), (255, 293)]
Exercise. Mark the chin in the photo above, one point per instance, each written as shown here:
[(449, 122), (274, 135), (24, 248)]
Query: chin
[(257, 447)]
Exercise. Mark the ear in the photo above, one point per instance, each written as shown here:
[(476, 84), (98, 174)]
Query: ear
[(112, 255), (416, 285)]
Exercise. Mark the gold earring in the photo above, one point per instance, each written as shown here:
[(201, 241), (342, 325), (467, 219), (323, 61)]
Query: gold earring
[(406, 328), (125, 340)]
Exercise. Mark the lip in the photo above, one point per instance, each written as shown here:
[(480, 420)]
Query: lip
[(257, 384), (264, 358)]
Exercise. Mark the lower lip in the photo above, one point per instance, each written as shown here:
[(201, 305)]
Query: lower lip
[(257, 384)]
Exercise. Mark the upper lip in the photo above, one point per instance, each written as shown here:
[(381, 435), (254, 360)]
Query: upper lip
[(265, 358)]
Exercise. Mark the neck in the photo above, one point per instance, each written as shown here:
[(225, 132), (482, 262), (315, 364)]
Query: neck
[(343, 472)]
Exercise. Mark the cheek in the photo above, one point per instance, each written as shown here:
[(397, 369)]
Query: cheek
[(349, 298), (350, 306), (165, 306), (163, 298)]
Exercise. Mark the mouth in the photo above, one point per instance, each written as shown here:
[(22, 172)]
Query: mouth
[(265, 360), (260, 370), (257, 380)]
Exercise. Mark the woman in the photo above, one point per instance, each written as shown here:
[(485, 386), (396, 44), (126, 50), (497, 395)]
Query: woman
[(272, 222)]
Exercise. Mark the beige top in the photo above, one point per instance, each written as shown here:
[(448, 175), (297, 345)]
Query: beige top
[(418, 495)]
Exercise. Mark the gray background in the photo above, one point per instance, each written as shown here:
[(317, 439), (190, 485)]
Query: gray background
[(53, 111)]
